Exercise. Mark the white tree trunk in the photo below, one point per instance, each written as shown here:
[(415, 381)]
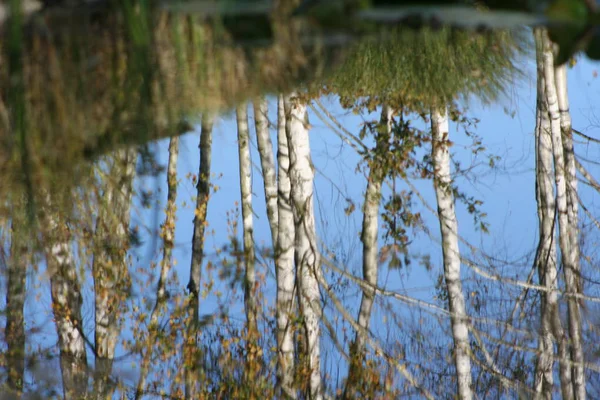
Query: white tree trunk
[(203, 192), (109, 267), (284, 261), (546, 259), (567, 248), (370, 258), (245, 166), (569, 154), (267, 161), (202, 197), (306, 248), (168, 236), (570, 167), (168, 228), (66, 305), (449, 232)]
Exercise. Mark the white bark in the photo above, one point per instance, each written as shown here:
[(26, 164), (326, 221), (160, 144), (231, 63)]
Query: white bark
[(306, 249), (567, 138), (370, 231), (202, 197), (546, 258), (569, 260), (168, 236), (66, 306), (449, 232), (267, 161), (245, 167), (284, 261), (570, 168), (110, 264), (203, 192), (370, 258), (168, 228)]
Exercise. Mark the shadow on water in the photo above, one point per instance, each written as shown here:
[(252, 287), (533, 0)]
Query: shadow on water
[(79, 82)]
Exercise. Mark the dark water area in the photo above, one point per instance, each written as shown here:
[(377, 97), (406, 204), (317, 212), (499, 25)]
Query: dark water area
[(81, 78)]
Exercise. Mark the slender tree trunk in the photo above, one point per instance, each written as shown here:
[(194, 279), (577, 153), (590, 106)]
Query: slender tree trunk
[(573, 218), (370, 257), (570, 170), (66, 305), (306, 248), (250, 302), (570, 167), (15, 300), (168, 236), (284, 261), (567, 247), (546, 259), (265, 150), (110, 271), (203, 192), (449, 231)]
